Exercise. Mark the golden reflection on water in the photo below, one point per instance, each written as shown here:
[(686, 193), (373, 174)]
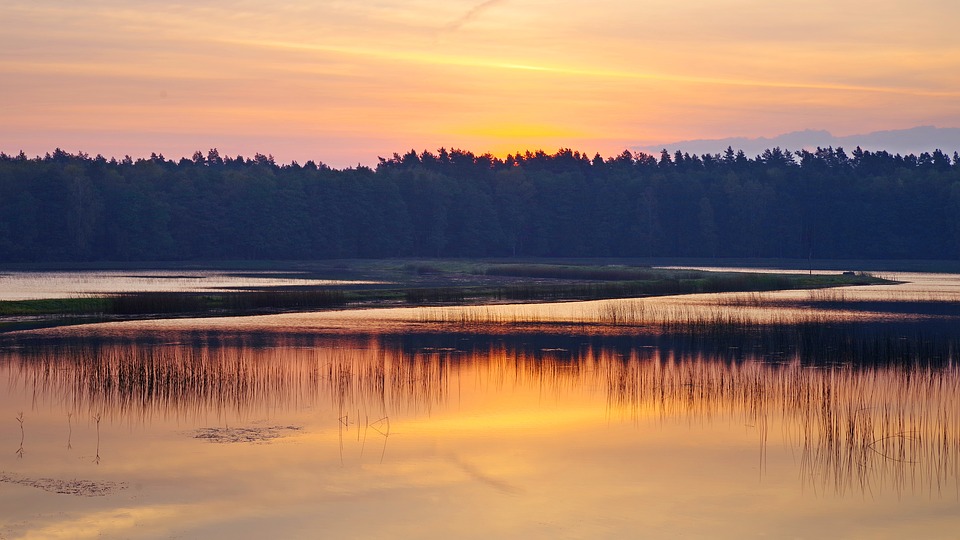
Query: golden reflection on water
[(853, 428)]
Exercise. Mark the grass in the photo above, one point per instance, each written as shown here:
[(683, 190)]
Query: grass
[(52, 306)]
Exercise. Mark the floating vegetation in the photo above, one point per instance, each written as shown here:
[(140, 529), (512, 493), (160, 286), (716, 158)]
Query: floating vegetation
[(80, 488), (253, 434)]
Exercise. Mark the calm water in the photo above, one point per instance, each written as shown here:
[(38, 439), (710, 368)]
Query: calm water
[(36, 285), (575, 420)]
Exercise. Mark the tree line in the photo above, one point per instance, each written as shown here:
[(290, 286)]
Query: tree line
[(822, 204)]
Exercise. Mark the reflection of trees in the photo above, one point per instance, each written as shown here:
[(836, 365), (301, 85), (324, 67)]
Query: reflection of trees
[(855, 427)]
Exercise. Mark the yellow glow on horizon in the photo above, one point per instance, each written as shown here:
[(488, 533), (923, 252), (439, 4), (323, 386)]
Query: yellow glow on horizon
[(507, 132)]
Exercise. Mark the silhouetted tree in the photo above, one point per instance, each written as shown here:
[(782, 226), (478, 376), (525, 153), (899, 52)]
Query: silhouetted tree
[(823, 203)]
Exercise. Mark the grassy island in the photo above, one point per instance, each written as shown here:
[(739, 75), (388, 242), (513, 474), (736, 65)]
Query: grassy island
[(411, 283)]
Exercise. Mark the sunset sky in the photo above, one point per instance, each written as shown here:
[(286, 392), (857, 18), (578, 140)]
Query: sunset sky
[(344, 81)]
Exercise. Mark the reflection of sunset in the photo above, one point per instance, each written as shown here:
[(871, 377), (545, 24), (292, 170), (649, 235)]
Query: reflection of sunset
[(505, 415), (514, 430), (498, 386)]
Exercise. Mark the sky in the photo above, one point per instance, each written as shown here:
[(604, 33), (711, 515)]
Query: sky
[(345, 81)]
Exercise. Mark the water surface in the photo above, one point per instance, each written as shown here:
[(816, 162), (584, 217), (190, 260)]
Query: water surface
[(836, 420), (37, 285)]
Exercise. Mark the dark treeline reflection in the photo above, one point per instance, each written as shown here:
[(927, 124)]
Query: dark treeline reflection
[(824, 204), (856, 425)]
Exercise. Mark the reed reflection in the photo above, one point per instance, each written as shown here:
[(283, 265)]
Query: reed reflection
[(855, 426), (193, 376)]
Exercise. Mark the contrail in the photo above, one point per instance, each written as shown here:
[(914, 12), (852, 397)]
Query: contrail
[(470, 15)]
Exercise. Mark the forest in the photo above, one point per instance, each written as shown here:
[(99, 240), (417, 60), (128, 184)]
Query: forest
[(824, 204)]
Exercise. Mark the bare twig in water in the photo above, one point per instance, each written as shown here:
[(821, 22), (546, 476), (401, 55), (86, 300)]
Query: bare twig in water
[(903, 436), (97, 418), (20, 450), (382, 426)]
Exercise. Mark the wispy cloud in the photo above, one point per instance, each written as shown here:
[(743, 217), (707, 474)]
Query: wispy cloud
[(471, 14), (429, 58)]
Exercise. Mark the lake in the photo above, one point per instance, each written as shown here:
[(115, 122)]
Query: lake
[(16, 285), (791, 414)]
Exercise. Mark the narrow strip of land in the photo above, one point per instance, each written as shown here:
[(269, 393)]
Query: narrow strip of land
[(415, 283)]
